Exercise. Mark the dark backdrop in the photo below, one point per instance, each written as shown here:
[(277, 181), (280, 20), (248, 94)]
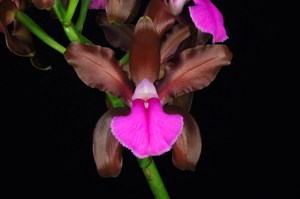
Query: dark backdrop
[(248, 151)]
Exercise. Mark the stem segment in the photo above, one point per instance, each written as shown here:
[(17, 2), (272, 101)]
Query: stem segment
[(153, 178), (82, 15), (38, 31), (65, 19), (70, 11)]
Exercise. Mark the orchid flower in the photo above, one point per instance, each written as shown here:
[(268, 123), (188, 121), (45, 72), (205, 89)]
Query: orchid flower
[(118, 12), (149, 126), (205, 16), (121, 36)]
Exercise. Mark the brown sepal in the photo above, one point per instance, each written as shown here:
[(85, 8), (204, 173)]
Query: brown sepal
[(195, 69), (120, 12), (97, 67), (107, 150), (187, 148)]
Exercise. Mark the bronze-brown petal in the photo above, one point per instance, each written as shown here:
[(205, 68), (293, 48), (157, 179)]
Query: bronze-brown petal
[(173, 39), (120, 12), (195, 69), (184, 101), (160, 16), (21, 33), (144, 55), (7, 10), (97, 67), (20, 46), (107, 150), (43, 4), (119, 36), (187, 148)]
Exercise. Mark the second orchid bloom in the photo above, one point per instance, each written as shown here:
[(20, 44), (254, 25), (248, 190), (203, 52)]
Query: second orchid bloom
[(204, 14)]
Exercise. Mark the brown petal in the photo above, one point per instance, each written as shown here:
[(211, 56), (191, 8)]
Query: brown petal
[(22, 34), (187, 148), (43, 4), (119, 12), (107, 150), (160, 16), (195, 38), (189, 42), (202, 37), (185, 19), (195, 69), (168, 48), (119, 36), (7, 10), (97, 68), (144, 56), (15, 44), (184, 101)]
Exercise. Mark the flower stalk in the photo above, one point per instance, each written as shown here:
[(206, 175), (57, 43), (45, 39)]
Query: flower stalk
[(153, 178), (38, 31), (65, 17), (84, 7), (70, 12)]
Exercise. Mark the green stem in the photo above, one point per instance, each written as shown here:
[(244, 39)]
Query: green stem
[(125, 59), (74, 35), (153, 178), (59, 10), (69, 28), (70, 12), (38, 31), (114, 101), (84, 7)]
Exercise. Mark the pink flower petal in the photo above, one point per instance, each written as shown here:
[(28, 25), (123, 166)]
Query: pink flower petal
[(147, 131), (208, 19), (131, 131), (164, 128), (97, 4)]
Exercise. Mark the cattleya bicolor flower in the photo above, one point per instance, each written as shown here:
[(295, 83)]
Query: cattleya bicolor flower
[(118, 12), (204, 14), (120, 36), (150, 125)]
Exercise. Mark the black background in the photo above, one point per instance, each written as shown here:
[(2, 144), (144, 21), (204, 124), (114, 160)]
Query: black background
[(249, 150)]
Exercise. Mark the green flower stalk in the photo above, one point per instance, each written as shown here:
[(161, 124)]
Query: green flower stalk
[(38, 31), (84, 7), (153, 178)]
